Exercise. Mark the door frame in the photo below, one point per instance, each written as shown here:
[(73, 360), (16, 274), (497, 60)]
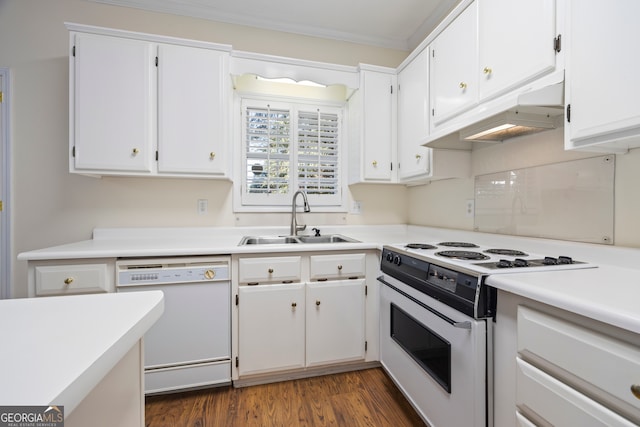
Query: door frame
[(5, 190)]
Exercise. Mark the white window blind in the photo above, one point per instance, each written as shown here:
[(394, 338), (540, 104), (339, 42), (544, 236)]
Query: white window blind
[(289, 146), (318, 153)]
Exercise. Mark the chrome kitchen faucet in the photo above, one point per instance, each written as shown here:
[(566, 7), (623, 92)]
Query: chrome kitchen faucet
[(294, 221)]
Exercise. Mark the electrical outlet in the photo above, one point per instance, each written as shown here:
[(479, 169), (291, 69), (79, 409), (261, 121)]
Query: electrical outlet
[(470, 208), (203, 206), (356, 208)]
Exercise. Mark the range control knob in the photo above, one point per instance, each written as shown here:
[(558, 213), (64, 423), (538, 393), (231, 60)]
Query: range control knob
[(397, 260), (389, 257)]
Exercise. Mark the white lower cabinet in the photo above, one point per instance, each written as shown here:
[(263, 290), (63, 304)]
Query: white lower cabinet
[(568, 374), (335, 321), (298, 313), (557, 368), (548, 401), (271, 328), (297, 325)]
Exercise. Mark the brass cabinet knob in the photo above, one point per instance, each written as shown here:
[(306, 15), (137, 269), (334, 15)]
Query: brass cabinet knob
[(210, 274), (374, 163), (317, 302), (418, 156), (270, 271), (635, 390), (294, 305), (339, 266), (135, 151), (487, 70), (212, 155), (463, 85), (68, 280)]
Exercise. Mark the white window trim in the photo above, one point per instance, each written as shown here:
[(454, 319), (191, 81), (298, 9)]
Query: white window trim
[(239, 155)]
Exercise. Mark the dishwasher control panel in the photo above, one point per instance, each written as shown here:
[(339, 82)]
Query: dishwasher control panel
[(152, 273)]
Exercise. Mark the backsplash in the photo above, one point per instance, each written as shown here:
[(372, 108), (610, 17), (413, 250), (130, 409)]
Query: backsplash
[(572, 200)]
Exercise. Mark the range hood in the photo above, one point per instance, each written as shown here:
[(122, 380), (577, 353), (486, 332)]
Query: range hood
[(509, 124), (498, 120)]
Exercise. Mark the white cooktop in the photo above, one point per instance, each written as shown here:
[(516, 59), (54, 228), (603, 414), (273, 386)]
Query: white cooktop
[(520, 261)]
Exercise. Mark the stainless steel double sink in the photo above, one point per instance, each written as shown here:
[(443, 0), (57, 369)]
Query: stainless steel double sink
[(285, 240)]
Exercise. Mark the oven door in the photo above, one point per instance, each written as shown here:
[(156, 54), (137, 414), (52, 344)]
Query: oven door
[(436, 355)]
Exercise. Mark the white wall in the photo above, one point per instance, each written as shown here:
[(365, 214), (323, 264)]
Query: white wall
[(51, 207), (528, 151)]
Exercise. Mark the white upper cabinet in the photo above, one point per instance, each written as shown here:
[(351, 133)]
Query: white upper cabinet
[(413, 117), (112, 104), (371, 110), (143, 105), (454, 61), (192, 110), (602, 87), (516, 43)]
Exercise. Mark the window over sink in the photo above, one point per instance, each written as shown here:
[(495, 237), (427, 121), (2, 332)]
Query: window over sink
[(288, 143)]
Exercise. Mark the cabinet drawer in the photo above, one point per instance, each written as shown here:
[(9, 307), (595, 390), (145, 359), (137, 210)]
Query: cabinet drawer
[(605, 366), (269, 269), (71, 279), (340, 266), (521, 421), (541, 395)]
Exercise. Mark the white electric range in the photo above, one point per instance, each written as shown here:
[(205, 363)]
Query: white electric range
[(436, 323)]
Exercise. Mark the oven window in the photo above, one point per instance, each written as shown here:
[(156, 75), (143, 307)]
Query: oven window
[(431, 352)]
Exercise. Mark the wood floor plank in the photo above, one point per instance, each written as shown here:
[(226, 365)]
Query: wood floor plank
[(366, 398)]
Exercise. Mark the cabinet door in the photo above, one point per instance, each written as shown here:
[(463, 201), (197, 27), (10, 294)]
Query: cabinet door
[(413, 117), (192, 110), (271, 328), (377, 142), (454, 54), (335, 321), (515, 43), (602, 88), (113, 104)]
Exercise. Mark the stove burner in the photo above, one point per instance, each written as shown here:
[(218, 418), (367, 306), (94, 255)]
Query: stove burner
[(507, 252), (458, 244), (419, 246), (464, 255)]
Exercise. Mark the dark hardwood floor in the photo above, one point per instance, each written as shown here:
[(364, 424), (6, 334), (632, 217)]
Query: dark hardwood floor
[(360, 398)]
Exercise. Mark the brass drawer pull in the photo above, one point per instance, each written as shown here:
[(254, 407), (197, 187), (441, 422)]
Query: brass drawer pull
[(317, 302), (270, 271), (294, 305), (339, 266), (68, 281)]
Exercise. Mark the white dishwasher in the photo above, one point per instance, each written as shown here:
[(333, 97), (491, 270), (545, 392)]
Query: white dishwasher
[(190, 345)]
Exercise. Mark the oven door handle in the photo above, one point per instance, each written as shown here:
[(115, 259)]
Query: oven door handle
[(461, 325)]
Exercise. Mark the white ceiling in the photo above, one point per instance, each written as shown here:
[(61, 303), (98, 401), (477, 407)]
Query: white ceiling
[(398, 24)]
